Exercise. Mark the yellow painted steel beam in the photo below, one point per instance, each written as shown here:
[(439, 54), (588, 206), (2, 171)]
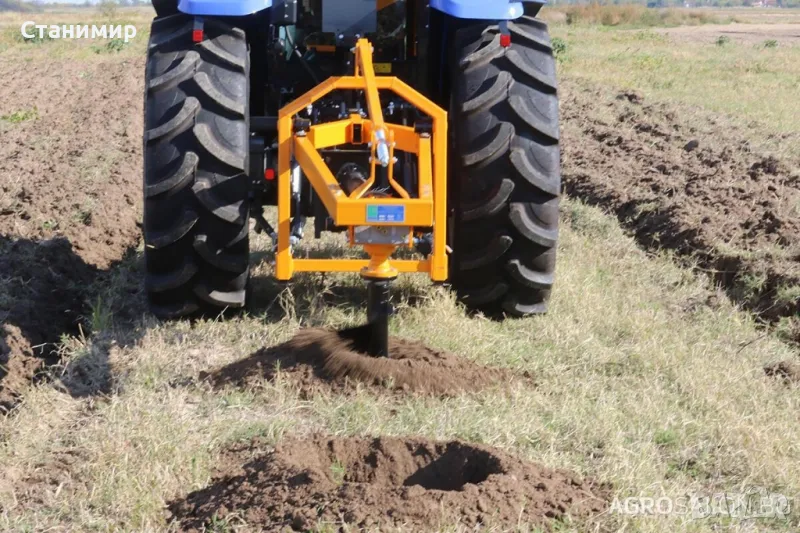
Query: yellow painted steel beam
[(406, 138), (439, 257), (355, 265), (318, 173), (424, 168), (283, 254), (366, 71), (362, 189), (331, 134), (429, 210)]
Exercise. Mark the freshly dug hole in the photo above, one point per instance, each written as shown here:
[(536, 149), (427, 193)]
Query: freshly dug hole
[(368, 482), (320, 358)]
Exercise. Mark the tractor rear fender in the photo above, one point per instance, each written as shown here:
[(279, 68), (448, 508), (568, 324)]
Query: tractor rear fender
[(483, 9), (462, 9), (223, 8)]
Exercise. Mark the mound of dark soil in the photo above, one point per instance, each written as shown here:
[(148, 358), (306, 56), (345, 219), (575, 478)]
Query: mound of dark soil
[(697, 188), (383, 481), (43, 285), (320, 359)]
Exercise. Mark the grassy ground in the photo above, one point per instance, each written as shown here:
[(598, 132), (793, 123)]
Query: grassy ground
[(753, 83), (646, 376)]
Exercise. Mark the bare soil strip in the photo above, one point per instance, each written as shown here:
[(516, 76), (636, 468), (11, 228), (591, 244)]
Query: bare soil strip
[(319, 359), (384, 481), (70, 196), (787, 34), (699, 190)]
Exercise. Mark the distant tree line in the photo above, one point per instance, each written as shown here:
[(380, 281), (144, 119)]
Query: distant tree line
[(692, 3), (123, 3)]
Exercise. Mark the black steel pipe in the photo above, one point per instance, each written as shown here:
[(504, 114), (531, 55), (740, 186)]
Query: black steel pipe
[(264, 124), (378, 311)]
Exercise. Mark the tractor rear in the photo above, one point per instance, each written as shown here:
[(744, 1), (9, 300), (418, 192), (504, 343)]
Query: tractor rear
[(430, 125)]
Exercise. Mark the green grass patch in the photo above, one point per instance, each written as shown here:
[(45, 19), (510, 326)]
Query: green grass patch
[(22, 115)]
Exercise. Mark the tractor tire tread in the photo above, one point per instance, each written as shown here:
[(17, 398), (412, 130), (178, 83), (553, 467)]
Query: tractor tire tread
[(196, 188), (504, 117)]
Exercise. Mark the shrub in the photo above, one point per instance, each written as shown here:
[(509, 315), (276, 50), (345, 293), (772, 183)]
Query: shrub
[(559, 48)]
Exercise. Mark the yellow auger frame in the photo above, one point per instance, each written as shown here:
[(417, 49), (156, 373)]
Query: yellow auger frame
[(427, 209)]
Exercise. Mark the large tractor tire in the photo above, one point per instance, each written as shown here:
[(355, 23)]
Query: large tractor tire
[(505, 161), (196, 209)]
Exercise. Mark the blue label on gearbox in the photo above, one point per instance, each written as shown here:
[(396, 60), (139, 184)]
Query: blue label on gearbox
[(386, 213)]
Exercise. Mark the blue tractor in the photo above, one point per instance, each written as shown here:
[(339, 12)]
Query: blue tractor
[(425, 124)]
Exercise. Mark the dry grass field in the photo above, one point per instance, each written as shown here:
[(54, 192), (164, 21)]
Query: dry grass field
[(667, 366)]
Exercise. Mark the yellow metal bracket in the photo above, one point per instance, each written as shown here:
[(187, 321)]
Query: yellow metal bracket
[(424, 208)]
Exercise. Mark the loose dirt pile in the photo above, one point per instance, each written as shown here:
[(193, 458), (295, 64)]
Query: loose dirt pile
[(70, 161), (365, 482), (698, 189), (41, 296), (319, 359)]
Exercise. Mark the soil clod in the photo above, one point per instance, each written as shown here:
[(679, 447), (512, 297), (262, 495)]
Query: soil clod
[(384, 481), (322, 359)]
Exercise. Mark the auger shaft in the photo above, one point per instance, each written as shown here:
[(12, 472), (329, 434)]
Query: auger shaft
[(379, 309)]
